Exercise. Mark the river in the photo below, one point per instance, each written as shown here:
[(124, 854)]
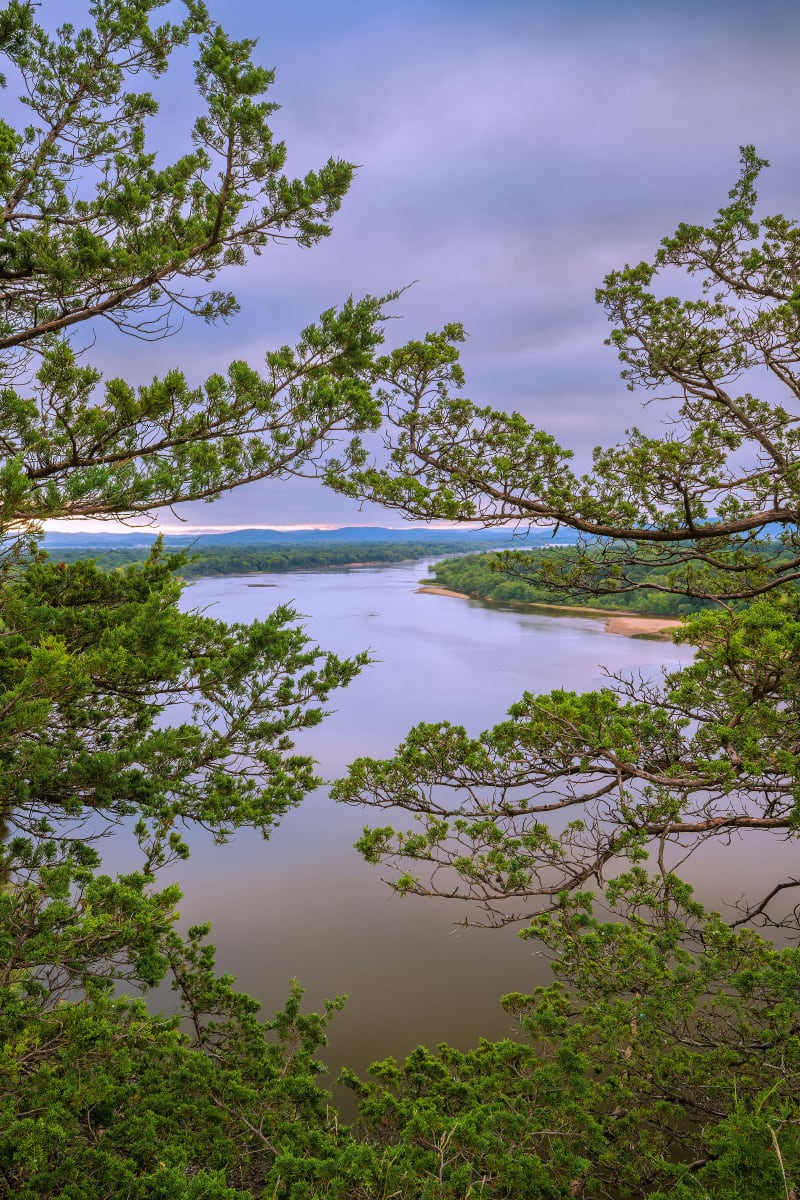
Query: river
[(304, 903)]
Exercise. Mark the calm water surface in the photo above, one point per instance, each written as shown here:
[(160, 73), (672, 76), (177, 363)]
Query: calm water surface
[(303, 903)]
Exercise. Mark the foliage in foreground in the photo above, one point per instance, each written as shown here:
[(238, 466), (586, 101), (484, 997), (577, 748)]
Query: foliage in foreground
[(653, 1067), (664, 1061), (572, 785), (695, 500)]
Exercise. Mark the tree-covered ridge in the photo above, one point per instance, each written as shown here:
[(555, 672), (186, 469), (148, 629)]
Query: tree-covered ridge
[(531, 577)]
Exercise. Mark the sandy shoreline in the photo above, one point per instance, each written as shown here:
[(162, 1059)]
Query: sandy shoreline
[(440, 591), (625, 623)]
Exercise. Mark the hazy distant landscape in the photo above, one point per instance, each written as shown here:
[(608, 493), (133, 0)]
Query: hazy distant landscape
[(247, 551)]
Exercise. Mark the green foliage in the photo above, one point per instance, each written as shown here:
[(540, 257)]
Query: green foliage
[(68, 455), (664, 1059), (659, 1064), (694, 502), (571, 783), (123, 243), (116, 703), (93, 228), (91, 661), (117, 706), (103, 1097), (702, 523), (677, 1032)]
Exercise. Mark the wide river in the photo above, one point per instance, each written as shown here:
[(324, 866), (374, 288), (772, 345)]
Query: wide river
[(304, 903)]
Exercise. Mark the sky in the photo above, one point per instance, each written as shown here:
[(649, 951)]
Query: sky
[(511, 152)]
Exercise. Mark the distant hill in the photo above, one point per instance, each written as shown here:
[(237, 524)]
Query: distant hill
[(355, 535)]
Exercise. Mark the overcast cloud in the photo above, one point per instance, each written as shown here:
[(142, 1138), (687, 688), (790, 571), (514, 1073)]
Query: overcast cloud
[(511, 153)]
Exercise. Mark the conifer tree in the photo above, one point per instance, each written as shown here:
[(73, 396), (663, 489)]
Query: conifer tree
[(118, 707), (664, 1060)]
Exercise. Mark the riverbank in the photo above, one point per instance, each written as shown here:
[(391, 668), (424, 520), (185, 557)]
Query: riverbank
[(627, 624)]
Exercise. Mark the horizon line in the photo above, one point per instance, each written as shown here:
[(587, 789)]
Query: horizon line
[(78, 525)]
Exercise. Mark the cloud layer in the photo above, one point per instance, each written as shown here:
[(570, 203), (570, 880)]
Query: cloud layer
[(510, 155)]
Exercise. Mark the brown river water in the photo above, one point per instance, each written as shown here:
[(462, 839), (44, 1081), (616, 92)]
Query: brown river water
[(304, 903)]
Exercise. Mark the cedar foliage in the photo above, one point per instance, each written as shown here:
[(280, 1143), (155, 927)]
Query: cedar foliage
[(664, 1059)]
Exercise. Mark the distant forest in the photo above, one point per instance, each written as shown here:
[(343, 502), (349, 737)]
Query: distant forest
[(245, 560)]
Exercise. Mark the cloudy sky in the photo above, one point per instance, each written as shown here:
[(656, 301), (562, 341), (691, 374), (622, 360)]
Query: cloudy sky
[(511, 153)]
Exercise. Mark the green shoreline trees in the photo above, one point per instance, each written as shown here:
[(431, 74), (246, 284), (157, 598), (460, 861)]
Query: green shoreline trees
[(515, 577), (670, 1062)]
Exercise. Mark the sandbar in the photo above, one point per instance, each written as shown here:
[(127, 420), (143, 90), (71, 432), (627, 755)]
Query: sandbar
[(639, 625), (434, 590)]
